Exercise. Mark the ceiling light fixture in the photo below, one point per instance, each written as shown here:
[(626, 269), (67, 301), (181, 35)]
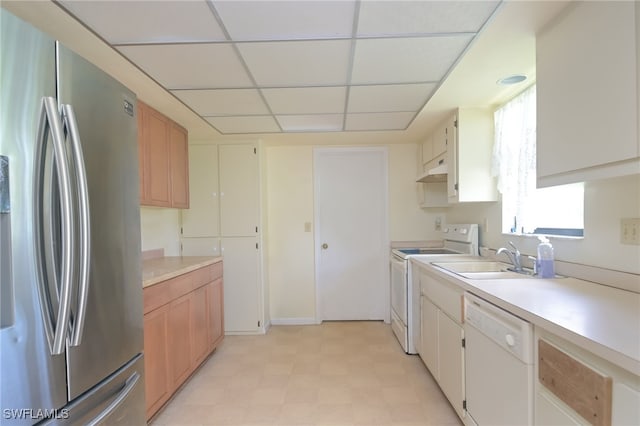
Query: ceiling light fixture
[(512, 79)]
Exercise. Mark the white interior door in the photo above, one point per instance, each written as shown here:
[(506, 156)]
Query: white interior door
[(352, 254)]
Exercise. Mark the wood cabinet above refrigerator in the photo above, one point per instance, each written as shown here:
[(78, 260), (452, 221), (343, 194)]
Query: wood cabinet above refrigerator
[(163, 160)]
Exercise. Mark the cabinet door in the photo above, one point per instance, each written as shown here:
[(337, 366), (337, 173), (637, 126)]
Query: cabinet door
[(200, 246), (239, 190), (199, 325), (241, 293), (215, 297), (429, 335), (470, 144), (156, 361), (179, 158), (451, 361), (179, 340), (582, 125), (202, 218), (440, 139), (157, 167), (427, 150)]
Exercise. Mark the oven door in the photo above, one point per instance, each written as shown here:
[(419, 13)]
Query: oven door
[(399, 299)]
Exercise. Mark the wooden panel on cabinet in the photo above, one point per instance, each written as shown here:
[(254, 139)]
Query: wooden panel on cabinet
[(156, 362), (179, 332), (199, 326), (583, 389), (179, 159), (157, 145), (215, 296)]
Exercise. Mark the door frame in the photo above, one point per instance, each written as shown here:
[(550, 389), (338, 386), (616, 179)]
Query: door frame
[(317, 153)]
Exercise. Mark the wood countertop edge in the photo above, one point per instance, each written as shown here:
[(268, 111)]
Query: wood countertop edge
[(182, 265)]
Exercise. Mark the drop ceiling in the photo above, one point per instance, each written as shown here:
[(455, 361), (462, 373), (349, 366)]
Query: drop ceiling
[(259, 67)]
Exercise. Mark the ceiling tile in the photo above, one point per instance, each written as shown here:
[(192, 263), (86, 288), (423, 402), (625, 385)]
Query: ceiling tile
[(397, 97), (190, 66), (249, 124), (148, 21), (311, 123), (406, 60), (378, 18), (224, 101), (379, 121), (286, 20), (298, 63), (306, 100)]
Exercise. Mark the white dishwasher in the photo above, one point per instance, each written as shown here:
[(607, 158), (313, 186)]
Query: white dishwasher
[(498, 365)]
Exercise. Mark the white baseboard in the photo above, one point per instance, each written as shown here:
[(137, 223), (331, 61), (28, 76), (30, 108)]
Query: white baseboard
[(293, 321)]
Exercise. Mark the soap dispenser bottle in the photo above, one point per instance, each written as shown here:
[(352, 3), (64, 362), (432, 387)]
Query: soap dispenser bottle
[(545, 259)]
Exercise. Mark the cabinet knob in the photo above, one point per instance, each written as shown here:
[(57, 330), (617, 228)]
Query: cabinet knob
[(510, 340)]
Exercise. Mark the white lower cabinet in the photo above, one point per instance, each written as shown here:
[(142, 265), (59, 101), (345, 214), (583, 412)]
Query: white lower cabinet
[(429, 335), (451, 356), (584, 389), (441, 346), (242, 293)]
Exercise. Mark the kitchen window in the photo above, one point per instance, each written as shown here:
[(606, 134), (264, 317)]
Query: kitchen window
[(526, 209)]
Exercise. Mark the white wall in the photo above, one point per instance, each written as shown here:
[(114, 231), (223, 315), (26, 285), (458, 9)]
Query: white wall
[(160, 229), (290, 257), (606, 202)]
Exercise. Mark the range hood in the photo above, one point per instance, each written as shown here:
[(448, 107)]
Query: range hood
[(436, 174)]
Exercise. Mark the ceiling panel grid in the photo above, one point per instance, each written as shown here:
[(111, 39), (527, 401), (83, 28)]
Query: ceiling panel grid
[(293, 66)]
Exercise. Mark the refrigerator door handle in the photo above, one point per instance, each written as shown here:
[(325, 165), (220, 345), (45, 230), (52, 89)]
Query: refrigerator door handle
[(56, 326), (122, 395), (84, 228)]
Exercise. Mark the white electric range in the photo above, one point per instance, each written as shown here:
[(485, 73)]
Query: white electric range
[(461, 239)]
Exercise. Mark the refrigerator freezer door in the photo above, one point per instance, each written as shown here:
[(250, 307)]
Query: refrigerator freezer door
[(31, 379), (118, 401), (107, 126)]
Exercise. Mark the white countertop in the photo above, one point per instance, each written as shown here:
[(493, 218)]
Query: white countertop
[(603, 320)]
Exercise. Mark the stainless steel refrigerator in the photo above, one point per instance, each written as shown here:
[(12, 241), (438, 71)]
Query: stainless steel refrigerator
[(71, 331)]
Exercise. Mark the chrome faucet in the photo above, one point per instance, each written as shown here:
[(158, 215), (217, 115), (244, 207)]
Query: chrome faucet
[(514, 256)]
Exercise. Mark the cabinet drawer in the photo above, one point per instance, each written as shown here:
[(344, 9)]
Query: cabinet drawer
[(447, 297), (171, 289)]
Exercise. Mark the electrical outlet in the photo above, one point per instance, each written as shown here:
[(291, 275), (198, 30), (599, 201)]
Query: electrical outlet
[(438, 224), (630, 231)]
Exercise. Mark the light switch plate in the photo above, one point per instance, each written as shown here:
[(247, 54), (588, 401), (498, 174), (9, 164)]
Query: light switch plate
[(630, 231)]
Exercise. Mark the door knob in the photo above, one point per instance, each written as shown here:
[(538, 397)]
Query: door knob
[(325, 246)]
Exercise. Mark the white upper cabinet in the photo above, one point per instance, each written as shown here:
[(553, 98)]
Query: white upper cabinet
[(202, 218), (587, 94), (239, 190), (469, 151)]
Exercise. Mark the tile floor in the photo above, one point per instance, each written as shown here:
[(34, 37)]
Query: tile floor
[(337, 373)]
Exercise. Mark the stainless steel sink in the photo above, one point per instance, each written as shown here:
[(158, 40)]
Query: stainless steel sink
[(482, 270)]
